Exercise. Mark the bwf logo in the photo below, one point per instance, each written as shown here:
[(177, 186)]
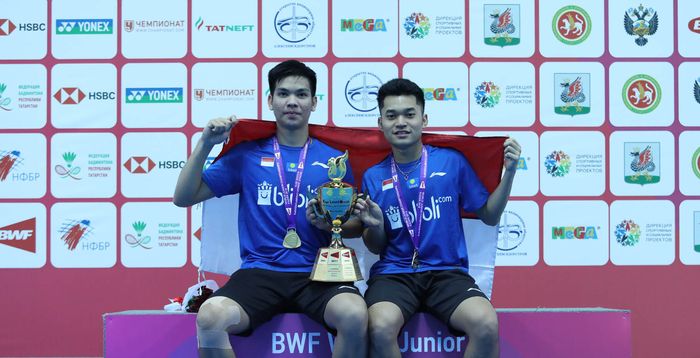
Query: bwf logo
[(20, 235)]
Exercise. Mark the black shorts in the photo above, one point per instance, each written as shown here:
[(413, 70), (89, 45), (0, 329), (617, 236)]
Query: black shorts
[(436, 292), (265, 293)]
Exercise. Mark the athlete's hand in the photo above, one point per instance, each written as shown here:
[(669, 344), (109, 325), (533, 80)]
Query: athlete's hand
[(368, 212), (511, 154), (317, 221), (217, 130)]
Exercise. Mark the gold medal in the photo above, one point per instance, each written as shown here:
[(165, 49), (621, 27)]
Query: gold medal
[(414, 260), (291, 239)]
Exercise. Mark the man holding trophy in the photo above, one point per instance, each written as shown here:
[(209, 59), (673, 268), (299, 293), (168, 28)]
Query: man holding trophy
[(278, 243), (423, 257)]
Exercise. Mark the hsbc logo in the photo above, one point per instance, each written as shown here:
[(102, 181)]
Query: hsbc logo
[(7, 27), (139, 165), (73, 95), (20, 235)]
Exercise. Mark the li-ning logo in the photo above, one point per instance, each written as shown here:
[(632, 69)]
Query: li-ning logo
[(6, 27), (557, 163), (641, 163), (487, 94), (154, 95), (69, 95), (416, 25), (571, 25), (511, 231), (83, 26), (572, 99), (294, 22), (641, 22), (361, 91), (627, 233), (139, 165), (8, 161), (69, 171), (73, 231), (20, 235), (641, 94), (501, 25), (361, 25), (4, 101), (139, 240)]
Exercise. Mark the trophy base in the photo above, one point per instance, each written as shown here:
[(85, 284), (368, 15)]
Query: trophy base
[(336, 265)]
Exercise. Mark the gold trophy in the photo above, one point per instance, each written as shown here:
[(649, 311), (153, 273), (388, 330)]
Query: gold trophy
[(336, 200)]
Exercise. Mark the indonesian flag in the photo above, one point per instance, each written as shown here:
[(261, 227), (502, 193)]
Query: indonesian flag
[(220, 250)]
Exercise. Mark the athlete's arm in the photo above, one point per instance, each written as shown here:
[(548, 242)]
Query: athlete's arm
[(491, 212), (190, 188)]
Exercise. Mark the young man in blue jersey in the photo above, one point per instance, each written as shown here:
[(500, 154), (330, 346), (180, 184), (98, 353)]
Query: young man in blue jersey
[(278, 242), (412, 220)]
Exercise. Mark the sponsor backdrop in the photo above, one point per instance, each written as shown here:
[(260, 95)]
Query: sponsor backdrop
[(101, 101)]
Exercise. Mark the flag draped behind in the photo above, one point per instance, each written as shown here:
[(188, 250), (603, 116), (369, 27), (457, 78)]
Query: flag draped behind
[(220, 250)]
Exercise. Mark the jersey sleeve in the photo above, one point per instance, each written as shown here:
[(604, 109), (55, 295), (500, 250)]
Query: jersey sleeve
[(473, 194), (224, 176)]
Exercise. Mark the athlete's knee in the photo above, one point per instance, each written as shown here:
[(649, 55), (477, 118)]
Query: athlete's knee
[(216, 316), (351, 314), (384, 326), (484, 327)]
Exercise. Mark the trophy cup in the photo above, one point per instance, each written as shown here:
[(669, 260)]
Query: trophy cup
[(336, 200)]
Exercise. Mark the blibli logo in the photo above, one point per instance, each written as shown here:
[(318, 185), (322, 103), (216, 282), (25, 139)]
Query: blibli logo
[(430, 212), (84, 27), (264, 193), (269, 195), (394, 217)]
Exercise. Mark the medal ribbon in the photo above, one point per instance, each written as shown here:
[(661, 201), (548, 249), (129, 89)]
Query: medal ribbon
[(290, 206), (413, 231)]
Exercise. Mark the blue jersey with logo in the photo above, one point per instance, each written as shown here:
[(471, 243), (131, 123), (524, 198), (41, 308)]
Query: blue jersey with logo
[(451, 185), (249, 169)]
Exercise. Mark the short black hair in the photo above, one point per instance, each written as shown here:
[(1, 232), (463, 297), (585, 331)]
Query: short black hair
[(291, 68), (399, 87)]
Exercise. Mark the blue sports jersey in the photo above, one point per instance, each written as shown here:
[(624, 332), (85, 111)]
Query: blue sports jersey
[(451, 184), (249, 169)]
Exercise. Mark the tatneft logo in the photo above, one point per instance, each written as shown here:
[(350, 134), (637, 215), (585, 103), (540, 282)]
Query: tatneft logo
[(139, 240), (440, 94), (641, 94), (487, 94), (154, 95), (557, 163), (20, 235), (294, 22), (363, 25), (694, 25), (74, 95), (695, 162), (641, 162), (154, 25), (4, 101), (416, 25), (641, 22), (224, 94), (7, 27), (361, 91), (500, 24), (201, 26), (9, 161), (269, 195), (511, 231), (73, 231), (571, 25), (573, 91), (69, 171), (627, 233), (574, 232), (139, 165), (84, 26), (430, 212)]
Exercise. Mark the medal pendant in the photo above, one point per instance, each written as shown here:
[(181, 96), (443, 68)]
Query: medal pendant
[(291, 239)]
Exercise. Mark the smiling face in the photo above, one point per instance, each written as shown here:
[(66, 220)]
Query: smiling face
[(292, 102), (402, 121)]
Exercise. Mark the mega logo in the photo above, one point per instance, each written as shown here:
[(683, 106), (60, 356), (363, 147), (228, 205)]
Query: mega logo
[(361, 91), (571, 25), (574, 232), (7, 27), (694, 25), (440, 94), (695, 162), (269, 195), (641, 161), (501, 25), (627, 233), (641, 22), (139, 165), (9, 160), (416, 25), (511, 231), (154, 95), (360, 25), (487, 94), (571, 92), (294, 22), (20, 235), (73, 231), (557, 163), (200, 26), (84, 26), (641, 94)]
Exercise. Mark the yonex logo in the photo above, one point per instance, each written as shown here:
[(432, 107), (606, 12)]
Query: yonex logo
[(154, 95), (83, 26)]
